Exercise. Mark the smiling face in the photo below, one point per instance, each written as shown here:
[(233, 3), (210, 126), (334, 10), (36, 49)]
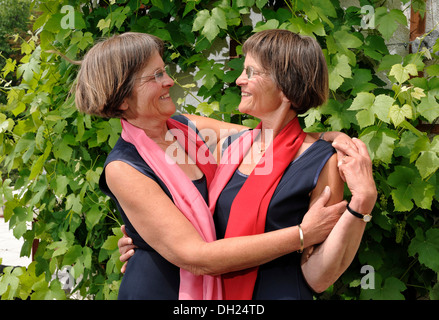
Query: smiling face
[(150, 98), (296, 64), (259, 95)]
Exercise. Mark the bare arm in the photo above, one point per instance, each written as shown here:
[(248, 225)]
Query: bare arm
[(323, 266), (165, 228)]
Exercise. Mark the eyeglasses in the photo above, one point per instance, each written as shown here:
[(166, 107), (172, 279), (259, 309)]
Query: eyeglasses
[(158, 75), (250, 72)]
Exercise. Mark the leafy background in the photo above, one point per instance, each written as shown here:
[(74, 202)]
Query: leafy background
[(51, 155)]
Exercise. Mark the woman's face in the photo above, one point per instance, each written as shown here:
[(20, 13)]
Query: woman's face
[(151, 98), (259, 95)]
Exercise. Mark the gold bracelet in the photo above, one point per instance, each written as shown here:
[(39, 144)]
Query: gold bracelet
[(301, 238)]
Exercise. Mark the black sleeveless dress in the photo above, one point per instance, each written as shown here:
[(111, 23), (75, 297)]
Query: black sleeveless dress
[(281, 278), (148, 276)]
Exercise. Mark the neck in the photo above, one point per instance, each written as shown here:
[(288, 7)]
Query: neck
[(272, 125), (155, 129)]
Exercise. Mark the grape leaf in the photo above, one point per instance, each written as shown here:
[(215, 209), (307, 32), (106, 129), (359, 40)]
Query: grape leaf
[(429, 108), (338, 70), (389, 290), (399, 114), (409, 186), (380, 142), (388, 21), (210, 24), (347, 40), (381, 107), (428, 161), (427, 248), (402, 74)]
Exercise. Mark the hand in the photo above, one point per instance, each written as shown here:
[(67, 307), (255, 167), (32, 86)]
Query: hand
[(356, 169), (339, 138), (319, 220), (126, 248)]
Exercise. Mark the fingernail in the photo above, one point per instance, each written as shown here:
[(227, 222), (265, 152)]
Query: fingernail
[(326, 189)]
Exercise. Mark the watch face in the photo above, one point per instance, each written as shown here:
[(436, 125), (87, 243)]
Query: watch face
[(367, 218)]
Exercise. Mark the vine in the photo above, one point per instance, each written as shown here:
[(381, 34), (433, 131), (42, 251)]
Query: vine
[(381, 98)]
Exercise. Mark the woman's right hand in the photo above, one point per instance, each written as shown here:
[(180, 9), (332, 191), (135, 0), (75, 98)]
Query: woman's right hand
[(320, 220), (126, 248)]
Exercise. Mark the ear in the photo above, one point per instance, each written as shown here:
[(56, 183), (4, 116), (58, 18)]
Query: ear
[(124, 106), (284, 98)]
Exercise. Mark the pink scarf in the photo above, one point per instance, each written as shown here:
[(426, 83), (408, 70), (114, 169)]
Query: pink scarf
[(185, 195)]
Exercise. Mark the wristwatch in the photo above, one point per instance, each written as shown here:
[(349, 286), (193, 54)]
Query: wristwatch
[(365, 217)]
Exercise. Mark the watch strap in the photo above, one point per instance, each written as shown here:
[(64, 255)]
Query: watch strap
[(364, 217)]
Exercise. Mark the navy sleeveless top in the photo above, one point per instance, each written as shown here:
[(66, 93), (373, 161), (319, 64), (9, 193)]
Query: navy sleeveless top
[(281, 278), (148, 274)]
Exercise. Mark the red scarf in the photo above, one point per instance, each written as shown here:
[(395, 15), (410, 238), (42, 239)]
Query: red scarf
[(249, 208)]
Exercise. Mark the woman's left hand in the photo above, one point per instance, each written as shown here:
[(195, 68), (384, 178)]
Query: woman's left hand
[(339, 138), (356, 170)]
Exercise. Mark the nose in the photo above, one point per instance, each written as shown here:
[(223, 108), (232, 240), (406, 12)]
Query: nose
[(242, 79), (167, 80)]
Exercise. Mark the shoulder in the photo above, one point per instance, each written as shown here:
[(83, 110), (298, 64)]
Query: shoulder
[(322, 152), (330, 176), (124, 155), (122, 150)]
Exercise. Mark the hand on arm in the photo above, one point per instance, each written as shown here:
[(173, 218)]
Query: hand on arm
[(327, 262), (336, 137)]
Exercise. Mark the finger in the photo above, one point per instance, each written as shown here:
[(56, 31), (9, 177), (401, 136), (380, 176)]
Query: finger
[(124, 267), (122, 228), (349, 149), (323, 198), (124, 244), (340, 155), (339, 207), (341, 172), (124, 241), (126, 256), (362, 148)]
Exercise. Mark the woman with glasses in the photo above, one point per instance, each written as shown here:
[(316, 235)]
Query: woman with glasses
[(285, 75), (163, 201)]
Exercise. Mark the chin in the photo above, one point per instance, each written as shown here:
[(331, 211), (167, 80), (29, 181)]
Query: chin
[(171, 109), (243, 108), (247, 110)]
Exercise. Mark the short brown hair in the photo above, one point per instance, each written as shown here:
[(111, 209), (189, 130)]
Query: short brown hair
[(108, 72), (296, 64)]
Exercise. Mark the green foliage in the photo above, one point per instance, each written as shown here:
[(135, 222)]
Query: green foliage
[(15, 16), (59, 153)]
